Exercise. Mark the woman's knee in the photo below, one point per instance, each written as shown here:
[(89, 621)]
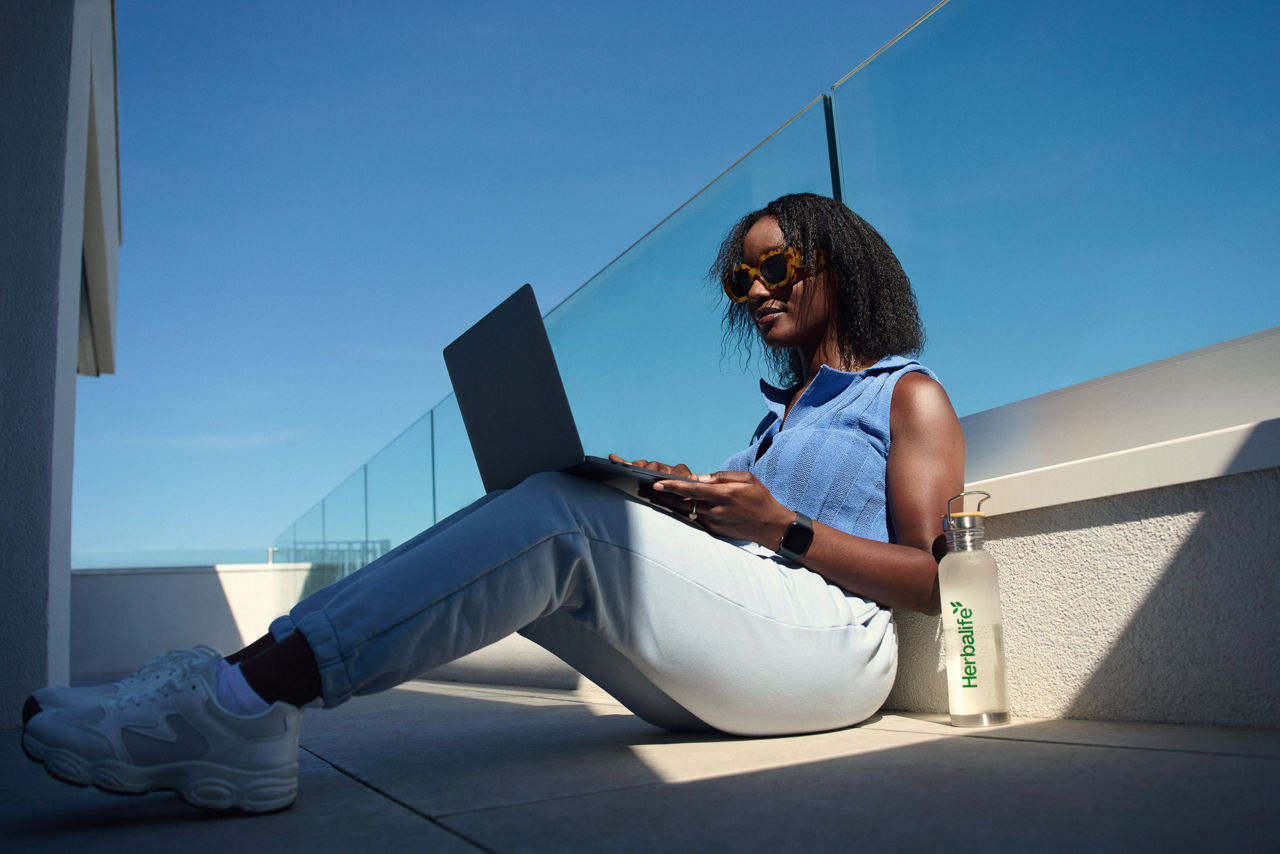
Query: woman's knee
[(550, 481), (555, 489)]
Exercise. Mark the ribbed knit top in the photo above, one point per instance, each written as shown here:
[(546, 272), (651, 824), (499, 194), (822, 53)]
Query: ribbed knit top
[(828, 460)]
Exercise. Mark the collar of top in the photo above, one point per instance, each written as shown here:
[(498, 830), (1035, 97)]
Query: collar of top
[(829, 384)]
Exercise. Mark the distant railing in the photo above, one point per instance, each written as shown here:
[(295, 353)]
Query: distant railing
[(345, 556)]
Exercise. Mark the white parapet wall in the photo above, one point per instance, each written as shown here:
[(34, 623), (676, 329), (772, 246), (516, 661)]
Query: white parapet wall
[(1133, 518), (122, 617), (1156, 605)]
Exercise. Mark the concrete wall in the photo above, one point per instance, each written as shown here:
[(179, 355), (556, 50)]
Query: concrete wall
[(122, 617), (36, 381), (1132, 517), (1158, 605), (59, 186)]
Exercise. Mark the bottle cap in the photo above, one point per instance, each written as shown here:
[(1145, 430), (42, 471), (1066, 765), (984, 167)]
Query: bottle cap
[(961, 520)]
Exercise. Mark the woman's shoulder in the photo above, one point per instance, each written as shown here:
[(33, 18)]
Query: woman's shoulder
[(920, 402), (876, 384), (898, 366)]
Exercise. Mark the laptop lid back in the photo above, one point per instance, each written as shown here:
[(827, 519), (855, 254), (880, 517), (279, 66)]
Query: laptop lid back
[(511, 396)]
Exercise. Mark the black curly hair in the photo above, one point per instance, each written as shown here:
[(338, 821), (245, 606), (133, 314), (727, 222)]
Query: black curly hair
[(876, 312)]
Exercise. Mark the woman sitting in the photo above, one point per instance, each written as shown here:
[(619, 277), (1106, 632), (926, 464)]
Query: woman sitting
[(763, 611)]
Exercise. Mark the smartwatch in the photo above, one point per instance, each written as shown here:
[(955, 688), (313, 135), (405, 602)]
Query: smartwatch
[(795, 542)]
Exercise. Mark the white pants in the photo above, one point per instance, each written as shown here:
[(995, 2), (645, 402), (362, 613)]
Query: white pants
[(687, 630)]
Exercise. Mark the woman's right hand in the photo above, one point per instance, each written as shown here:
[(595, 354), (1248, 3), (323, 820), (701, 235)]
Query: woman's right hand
[(674, 503), (733, 504), (679, 470)]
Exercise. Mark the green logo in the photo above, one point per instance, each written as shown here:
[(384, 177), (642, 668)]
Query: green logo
[(964, 623)]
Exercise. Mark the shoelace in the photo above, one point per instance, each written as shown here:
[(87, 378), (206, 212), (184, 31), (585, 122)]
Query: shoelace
[(172, 658), (168, 687)]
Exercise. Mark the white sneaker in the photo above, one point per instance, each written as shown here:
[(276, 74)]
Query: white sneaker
[(174, 737), (151, 675)]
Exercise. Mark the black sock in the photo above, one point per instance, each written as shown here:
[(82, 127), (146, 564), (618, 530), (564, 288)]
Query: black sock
[(285, 672), (256, 648)]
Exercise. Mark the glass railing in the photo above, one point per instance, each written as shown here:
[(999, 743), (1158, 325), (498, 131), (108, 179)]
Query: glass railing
[(639, 345), (1074, 189), (639, 349), (400, 500)]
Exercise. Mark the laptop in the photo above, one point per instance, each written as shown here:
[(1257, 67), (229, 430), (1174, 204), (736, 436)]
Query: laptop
[(514, 406)]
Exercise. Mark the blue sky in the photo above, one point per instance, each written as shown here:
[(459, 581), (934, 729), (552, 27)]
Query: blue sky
[(318, 196)]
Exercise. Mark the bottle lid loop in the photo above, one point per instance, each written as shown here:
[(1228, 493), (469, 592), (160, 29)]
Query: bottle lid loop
[(958, 520), (961, 497)]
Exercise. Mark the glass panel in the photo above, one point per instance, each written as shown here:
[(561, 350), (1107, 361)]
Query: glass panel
[(1074, 188), (283, 545), (457, 478), (345, 529), (308, 545), (639, 345), (400, 489)]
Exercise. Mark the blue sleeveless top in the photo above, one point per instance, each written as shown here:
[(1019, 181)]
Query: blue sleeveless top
[(828, 461)]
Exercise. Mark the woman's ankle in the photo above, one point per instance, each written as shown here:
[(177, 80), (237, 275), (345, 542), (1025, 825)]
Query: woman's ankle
[(256, 648), (285, 672)]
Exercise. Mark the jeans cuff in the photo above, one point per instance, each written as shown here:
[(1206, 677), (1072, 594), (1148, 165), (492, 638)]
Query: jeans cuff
[(335, 685), (282, 627)]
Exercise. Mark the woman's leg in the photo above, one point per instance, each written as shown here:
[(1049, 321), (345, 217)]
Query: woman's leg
[(589, 654), (256, 648), (647, 606), (280, 666), (281, 628), (685, 629)]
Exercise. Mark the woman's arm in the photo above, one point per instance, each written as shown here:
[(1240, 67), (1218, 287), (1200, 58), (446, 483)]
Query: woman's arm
[(925, 468)]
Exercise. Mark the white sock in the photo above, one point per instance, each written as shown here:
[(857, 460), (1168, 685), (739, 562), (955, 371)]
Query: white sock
[(234, 693)]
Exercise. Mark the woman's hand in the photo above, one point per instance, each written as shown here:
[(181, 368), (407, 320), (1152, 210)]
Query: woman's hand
[(733, 504), (674, 503), (679, 470)]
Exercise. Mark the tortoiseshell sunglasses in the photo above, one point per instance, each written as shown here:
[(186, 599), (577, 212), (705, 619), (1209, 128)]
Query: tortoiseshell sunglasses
[(777, 268)]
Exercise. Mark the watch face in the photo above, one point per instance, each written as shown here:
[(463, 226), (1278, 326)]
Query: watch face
[(798, 537)]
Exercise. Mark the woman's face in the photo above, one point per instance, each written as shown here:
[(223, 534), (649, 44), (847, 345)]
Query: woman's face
[(799, 315)]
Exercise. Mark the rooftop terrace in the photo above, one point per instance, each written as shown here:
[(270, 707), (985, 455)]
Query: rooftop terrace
[(1134, 509)]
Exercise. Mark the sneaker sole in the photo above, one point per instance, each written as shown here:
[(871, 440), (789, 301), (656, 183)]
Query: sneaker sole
[(207, 785)]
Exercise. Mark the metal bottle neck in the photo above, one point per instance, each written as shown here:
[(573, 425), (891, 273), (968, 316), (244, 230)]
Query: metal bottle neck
[(964, 540)]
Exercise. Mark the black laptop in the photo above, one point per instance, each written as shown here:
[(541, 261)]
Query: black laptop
[(514, 405)]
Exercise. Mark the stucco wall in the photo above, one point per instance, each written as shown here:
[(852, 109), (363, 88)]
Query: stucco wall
[(36, 380), (120, 618), (1157, 605), (59, 187)]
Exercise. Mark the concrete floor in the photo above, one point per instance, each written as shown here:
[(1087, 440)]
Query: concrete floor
[(452, 767)]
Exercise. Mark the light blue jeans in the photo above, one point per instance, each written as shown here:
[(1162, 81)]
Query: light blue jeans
[(686, 630)]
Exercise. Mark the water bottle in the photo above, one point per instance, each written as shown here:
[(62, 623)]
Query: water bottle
[(973, 628)]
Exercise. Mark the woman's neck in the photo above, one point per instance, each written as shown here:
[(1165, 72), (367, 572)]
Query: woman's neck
[(810, 367), (830, 356)]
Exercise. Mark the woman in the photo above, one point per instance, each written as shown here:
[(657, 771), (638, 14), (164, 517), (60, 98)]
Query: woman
[(759, 607)]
